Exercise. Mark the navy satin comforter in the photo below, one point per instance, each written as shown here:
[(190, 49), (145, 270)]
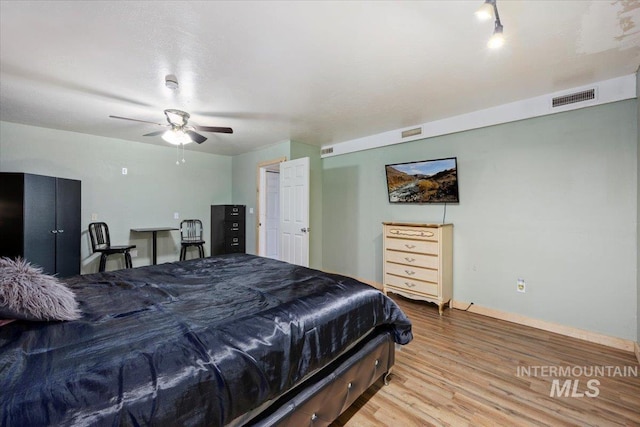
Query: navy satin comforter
[(199, 342)]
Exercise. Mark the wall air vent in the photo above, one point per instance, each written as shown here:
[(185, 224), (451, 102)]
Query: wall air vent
[(411, 132), (572, 98), (328, 150)]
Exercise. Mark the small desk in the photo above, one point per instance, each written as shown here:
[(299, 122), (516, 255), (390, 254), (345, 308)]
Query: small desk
[(154, 230)]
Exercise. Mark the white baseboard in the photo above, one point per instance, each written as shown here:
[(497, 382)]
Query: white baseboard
[(570, 331)]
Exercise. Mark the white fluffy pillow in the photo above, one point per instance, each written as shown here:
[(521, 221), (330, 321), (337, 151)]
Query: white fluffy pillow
[(27, 293)]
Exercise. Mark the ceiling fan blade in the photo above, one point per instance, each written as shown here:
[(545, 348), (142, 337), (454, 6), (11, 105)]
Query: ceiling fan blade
[(136, 120), (212, 129), (196, 137), (160, 132)]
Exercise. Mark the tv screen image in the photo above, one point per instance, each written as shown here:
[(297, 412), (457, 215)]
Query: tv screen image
[(426, 181)]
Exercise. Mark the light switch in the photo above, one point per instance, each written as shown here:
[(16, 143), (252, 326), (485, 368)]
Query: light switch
[(250, 210), (176, 215)]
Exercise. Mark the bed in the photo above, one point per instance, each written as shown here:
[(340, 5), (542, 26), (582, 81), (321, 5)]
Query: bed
[(228, 340)]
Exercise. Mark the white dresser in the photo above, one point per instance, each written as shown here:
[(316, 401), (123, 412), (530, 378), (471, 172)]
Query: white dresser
[(418, 261)]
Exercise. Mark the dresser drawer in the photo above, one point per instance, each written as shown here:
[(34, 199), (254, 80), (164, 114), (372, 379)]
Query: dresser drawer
[(419, 260), (411, 272), (407, 245), (418, 233), (412, 285)]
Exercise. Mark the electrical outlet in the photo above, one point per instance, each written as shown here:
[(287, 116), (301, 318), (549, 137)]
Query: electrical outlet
[(94, 217), (176, 215), (124, 171), (134, 253), (521, 286)]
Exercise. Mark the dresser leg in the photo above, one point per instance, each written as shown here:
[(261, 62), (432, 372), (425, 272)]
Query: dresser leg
[(440, 308)]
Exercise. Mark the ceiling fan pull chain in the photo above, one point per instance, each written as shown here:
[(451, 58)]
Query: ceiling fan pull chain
[(182, 152), (177, 155)]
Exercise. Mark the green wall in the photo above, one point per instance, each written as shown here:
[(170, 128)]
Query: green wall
[(153, 189), (552, 200)]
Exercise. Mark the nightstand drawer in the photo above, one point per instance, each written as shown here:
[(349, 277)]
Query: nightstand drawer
[(418, 233), (413, 246), (410, 272), (412, 285), (420, 260)]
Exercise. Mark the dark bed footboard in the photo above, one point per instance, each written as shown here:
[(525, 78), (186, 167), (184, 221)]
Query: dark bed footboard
[(330, 392)]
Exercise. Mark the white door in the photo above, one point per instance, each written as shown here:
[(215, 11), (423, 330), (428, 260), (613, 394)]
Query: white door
[(272, 214), (294, 211)]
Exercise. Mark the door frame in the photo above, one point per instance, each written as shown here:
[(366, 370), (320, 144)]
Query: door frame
[(261, 172)]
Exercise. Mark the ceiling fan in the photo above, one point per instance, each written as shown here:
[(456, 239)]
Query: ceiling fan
[(179, 132)]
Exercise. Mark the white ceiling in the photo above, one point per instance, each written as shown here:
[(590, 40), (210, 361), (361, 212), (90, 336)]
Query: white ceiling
[(318, 72)]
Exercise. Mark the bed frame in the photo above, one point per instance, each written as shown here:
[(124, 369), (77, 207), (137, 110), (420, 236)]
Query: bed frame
[(331, 391)]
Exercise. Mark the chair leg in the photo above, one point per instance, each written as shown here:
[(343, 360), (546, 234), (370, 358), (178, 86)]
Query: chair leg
[(127, 260), (183, 253), (201, 251), (103, 262)]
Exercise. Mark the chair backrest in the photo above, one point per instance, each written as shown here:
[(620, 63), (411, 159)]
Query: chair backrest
[(191, 229), (99, 233)]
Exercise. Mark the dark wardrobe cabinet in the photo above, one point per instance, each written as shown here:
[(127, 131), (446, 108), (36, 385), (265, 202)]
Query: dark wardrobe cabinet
[(40, 221), (227, 229)]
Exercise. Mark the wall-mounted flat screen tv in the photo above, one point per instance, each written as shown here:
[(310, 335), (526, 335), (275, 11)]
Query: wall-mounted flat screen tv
[(426, 181)]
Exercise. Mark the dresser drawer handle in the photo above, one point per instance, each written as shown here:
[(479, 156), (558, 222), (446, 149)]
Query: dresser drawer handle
[(409, 259), (412, 233), (408, 246), (409, 284), (410, 272)]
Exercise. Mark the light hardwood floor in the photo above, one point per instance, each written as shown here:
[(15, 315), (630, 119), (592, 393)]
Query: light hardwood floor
[(462, 369)]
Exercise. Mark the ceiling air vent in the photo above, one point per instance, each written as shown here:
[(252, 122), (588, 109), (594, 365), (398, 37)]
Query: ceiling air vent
[(411, 132), (328, 150), (572, 98)]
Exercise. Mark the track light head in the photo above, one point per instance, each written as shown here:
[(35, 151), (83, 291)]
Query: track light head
[(490, 9), (497, 39), (485, 12)]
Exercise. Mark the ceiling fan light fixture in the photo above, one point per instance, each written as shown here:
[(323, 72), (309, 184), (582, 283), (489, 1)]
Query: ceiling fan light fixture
[(485, 12), (176, 137)]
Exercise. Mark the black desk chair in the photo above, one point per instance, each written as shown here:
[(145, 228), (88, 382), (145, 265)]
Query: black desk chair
[(101, 242), (191, 235)]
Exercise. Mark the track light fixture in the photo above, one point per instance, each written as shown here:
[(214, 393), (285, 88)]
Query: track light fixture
[(488, 9)]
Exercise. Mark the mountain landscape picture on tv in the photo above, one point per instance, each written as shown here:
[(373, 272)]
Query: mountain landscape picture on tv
[(427, 181)]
